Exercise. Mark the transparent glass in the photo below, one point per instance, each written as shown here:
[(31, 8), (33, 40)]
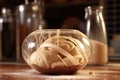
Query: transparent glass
[(96, 31), (56, 51), (29, 17), (7, 35)]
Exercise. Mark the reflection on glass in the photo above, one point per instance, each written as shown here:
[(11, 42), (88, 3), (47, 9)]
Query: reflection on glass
[(96, 31)]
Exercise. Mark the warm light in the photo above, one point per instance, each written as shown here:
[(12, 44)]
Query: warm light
[(21, 9), (35, 7), (4, 11), (1, 20), (29, 20)]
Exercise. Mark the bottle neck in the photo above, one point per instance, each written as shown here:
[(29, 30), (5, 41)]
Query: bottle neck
[(93, 11), (34, 2)]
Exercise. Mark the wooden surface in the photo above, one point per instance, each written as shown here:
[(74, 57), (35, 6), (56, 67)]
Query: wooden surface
[(17, 71)]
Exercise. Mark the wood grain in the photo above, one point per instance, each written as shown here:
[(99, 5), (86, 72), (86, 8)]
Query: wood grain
[(15, 71)]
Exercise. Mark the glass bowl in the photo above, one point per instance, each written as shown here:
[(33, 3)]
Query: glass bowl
[(56, 51)]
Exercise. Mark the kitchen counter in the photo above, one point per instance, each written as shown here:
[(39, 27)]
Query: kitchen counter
[(18, 71)]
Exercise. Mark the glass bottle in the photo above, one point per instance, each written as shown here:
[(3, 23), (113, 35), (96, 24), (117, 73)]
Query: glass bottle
[(29, 17), (96, 31), (7, 36)]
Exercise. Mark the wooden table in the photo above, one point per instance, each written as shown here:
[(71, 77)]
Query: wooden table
[(18, 71)]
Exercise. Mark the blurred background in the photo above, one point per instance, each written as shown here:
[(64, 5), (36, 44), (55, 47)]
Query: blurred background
[(56, 14)]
